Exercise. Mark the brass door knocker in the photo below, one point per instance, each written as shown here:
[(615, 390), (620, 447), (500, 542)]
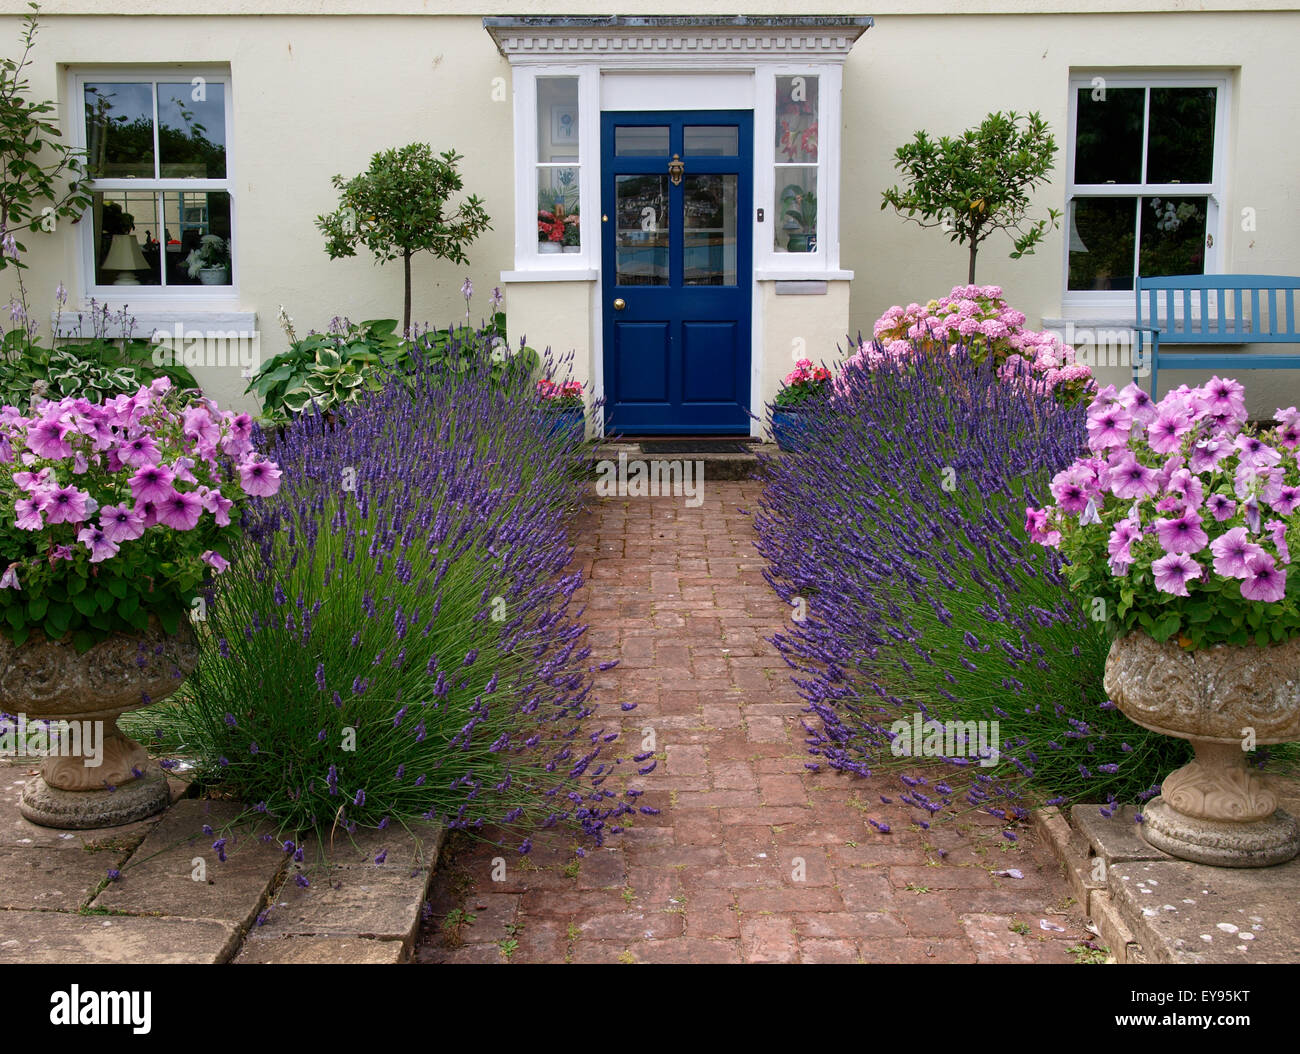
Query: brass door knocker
[(675, 169)]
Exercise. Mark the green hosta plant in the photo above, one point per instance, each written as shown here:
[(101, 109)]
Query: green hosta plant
[(327, 370)]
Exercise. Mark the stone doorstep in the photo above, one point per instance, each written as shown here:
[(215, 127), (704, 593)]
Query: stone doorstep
[(1153, 907), (717, 466)]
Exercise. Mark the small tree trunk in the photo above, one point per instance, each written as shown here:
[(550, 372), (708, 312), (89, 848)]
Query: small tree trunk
[(406, 299), (970, 274)]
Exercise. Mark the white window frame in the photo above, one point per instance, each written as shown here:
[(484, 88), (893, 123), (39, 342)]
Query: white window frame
[(1122, 304), (768, 262), (527, 257), (146, 295)]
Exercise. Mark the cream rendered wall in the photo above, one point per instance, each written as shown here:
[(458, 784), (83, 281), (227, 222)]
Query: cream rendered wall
[(316, 95), (312, 97), (1024, 62)]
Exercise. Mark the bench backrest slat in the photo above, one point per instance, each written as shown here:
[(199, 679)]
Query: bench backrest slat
[(1261, 320)]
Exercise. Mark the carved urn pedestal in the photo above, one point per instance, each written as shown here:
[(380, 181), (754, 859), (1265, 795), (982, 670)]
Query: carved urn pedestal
[(1213, 810), (98, 777)]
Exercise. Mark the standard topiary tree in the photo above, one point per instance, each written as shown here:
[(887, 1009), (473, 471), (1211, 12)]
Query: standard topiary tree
[(399, 207), (979, 182), (26, 179)]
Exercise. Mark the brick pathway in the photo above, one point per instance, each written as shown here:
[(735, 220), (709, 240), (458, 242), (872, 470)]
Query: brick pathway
[(754, 858)]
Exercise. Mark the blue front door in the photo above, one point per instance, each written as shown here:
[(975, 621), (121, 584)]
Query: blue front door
[(676, 248)]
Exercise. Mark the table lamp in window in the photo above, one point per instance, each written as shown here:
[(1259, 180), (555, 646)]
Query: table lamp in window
[(125, 257)]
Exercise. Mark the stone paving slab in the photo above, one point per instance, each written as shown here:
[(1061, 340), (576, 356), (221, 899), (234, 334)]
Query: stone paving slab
[(40, 937), (1182, 912), (176, 872), (53, 880), (380, 902), (318, 951), (677, 595)]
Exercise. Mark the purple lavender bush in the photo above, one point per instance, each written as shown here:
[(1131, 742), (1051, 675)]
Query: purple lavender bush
[(395, 641), (898, 534)]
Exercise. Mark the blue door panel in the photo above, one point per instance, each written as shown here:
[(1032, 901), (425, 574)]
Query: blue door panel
[(677, 356), (642, 349), (709, 354)]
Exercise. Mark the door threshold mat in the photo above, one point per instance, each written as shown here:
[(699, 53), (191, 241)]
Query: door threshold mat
[(696, 446)]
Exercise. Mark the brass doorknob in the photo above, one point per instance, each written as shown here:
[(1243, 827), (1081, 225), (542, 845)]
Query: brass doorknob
[(619, 304)]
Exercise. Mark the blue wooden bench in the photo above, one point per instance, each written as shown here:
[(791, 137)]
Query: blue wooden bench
[(1213, 309)]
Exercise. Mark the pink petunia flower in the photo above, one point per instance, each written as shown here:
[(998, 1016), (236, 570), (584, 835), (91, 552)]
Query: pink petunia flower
[(46, 439), (101, 548), (180, 510), (1166, 432), (67, 505), (120, 523), (152, 483), (1182, 534), (1264, 581), (216, 561), (1232, 550), (1255, 452), (138, 452), (260, 478), (1110, 428), (1287, 500), (1036, 526), (1222, 507), (1277, 531), (9, 580), (29, 514), (1129, 478), (1173, 571)]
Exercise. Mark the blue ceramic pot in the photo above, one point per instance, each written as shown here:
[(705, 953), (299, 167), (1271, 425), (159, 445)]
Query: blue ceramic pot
[(789, 426), (570, 420)]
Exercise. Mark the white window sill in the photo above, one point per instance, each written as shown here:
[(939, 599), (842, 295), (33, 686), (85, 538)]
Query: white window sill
[(550, 274), (811, 275), (223, 315)]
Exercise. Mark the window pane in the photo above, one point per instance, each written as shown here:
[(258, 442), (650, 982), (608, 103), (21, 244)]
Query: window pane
[(706, 140), (1173, 236), (127, 251), (641, 141), (192, 130), (1180, 143), (796, 119), (795, 229), (119, 130), (641, 237), (557, 208), (557, 119), (1108, 138), (198, 233), (1101, 236), (710, 248)]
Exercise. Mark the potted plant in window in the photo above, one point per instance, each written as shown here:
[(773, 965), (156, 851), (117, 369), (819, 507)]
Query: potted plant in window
[(803, 394), (116, 515), (799, 207), (572, 234), (210, 262), (561, 408), (1178, 527)]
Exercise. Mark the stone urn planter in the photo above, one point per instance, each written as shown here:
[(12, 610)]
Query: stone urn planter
[(47, 680), (1213, 810)]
